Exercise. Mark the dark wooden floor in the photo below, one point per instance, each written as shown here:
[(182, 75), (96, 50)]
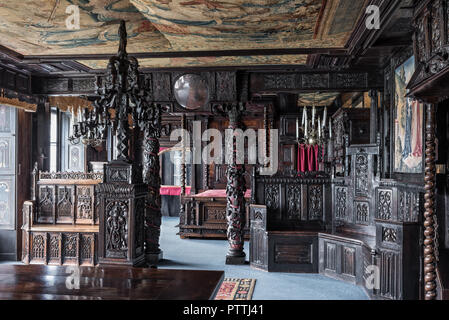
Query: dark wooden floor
[(50, 282)]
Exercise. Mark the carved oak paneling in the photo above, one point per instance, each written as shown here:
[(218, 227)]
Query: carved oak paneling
[(294, 204), (315, 202), (389, 235), (226, 86), (341, 195), (361, 174), (39, 247), (85, 204), (272, 198), (116, 229), (87, 249), (330, 256), (349, 259), (384, 204), (70, 247), (46, 205), (65, 204), (54, 255), (362, 212), (293, 253), (389, 274)]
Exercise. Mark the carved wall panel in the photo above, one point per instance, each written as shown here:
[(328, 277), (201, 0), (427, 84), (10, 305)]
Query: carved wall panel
[(331, 256), (259, 240), (39, 247), (258, 248), (61, 248), (85, 204), (361, 174), (278, 81), (294, 205), (46, 205), (362, 212), (341, 195), (272, 198), (409, 206), (292, 253), (116, 229), (318, 80), (384, 204), (348, 261), (315, 202), (226, 86), (70, 247), (389, 235), (431, 41), (214, 214), (389, 274), (65, 204), (87, 249), (139, 226), (161, 86), (54, 255)]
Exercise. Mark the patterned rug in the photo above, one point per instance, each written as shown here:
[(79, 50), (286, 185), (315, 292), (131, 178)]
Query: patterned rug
[(236, 289)]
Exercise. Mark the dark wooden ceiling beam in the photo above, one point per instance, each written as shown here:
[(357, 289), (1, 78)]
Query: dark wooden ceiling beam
[(188, 54)]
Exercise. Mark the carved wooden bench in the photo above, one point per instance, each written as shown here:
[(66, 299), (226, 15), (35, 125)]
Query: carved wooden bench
[(60, 223), (344, 256)]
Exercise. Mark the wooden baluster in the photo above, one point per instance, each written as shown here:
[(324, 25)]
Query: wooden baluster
[(429, 205)]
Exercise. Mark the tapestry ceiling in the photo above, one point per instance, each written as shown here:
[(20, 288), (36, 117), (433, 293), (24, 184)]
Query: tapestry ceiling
[(38, 27)]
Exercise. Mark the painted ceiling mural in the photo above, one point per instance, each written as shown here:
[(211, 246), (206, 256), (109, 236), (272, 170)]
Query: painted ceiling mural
[(38, 27)]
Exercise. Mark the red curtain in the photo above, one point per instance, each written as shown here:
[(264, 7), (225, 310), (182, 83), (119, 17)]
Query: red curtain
[(308, 158)]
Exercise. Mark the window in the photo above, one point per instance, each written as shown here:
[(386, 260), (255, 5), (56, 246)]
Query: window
[(54, 140), (171, 171), (64, 155)]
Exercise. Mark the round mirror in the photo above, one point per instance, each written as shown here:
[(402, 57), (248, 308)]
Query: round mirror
[(191, 91)]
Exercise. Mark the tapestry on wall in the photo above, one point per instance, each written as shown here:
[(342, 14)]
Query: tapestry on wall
[(408, 125)]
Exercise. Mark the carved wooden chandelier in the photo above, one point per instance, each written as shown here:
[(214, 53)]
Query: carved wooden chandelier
[(314, 129), (122, 98)]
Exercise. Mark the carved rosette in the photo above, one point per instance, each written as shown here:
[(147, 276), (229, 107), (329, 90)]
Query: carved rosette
[(429, 206)]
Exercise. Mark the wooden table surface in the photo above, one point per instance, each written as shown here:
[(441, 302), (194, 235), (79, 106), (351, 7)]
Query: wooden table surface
[(39, 282)]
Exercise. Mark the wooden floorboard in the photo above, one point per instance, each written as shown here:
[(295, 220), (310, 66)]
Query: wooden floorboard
[(38, 282)]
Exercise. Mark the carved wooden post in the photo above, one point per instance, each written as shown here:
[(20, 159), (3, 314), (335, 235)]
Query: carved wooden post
[(429, 205), (235, 192), (182, 218), (373, 115), (151, 126)]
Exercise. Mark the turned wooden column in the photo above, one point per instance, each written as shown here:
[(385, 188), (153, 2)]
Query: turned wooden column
[(151, 127), (235, 192), (429, 206)]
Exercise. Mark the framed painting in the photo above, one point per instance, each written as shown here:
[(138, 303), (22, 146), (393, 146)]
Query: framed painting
[(408, 123)]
